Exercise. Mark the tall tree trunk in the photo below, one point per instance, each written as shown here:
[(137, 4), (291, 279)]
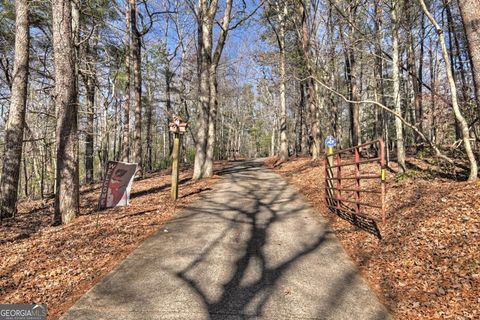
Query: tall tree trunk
[(433, 85), (283, 153), (351, 69), (213, 83), (168, 104), (126, 106), (420, 73), (453, 91), (299, 119), (412, 68), (378, 70), (273, 138), (310, 85), (334, 107), (396, 5), (105, 140), (208, 61), (149, 114), (137, 84), (89, 80), (203, 71), (67, 184), (16, 118), (212, 121), (452, 48), (90, 92), (456, 51), (470, 12)]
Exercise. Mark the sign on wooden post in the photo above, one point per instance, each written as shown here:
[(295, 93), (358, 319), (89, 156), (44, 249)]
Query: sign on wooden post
[(330, 143), (178, 127)]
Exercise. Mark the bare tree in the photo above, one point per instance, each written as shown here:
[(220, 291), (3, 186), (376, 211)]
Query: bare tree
[(16, 118), (470, 12), (396, 13), (208, 60), (453, 91), (305, 35), (90, 86), (280, 9), (67, 180), (351, 67), (137, 83), (126, 105)]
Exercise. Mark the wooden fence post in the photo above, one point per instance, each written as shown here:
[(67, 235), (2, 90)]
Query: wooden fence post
[(175, 160)]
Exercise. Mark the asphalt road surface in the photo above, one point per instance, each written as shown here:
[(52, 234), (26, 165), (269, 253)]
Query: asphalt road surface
[(251, 248)]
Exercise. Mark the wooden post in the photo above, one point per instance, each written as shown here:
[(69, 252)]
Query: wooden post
[(175, 158), (357, 175), (382, 175), (329, 174), (339, 181), (177, 127)]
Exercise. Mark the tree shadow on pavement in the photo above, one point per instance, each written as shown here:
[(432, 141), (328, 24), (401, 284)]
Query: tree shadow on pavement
[(269, 203), (251, 249)]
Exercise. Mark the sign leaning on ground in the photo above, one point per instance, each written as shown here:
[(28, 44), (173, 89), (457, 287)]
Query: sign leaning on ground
[(117, 184)]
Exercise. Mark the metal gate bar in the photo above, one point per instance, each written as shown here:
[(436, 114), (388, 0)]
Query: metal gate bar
[(334, 178)]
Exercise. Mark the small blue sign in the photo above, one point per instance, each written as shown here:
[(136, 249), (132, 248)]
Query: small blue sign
[(330, 142)]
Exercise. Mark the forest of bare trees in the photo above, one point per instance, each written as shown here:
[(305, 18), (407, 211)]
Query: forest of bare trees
[(85, 82)]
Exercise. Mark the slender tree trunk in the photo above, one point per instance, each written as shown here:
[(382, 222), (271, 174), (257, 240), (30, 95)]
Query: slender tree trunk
[(273, 139), (420, 74), (396, 83), (310, 85), (149, 115), (105, 144), (335, 118), (212, 121), (283, 153), (470, 12), (89, 80), (137, 84), (204, 62), (42, 172), (116, 126), (378, 71), (25, 177), (453, 91), (67, 184), (126, 106), (16, 118), (457, 51), (168, 104), (299, 120), (452, 54), (90, 92), (412, 69), (433, 85), (351, 69), (213, 83), (208, 61)]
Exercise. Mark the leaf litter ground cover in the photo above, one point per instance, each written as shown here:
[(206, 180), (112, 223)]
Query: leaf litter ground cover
[(56, 265), (427, 266)]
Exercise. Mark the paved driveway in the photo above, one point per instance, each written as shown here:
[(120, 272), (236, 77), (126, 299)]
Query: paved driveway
[(249, 249)]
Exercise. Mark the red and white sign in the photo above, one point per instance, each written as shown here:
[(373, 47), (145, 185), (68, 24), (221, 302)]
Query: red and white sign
[(117, 184)]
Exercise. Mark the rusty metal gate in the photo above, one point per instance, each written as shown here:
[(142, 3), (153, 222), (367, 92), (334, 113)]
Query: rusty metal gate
[(355, 184)]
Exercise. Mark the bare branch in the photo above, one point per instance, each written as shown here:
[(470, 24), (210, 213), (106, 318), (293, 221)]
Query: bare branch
[(380, 105)]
